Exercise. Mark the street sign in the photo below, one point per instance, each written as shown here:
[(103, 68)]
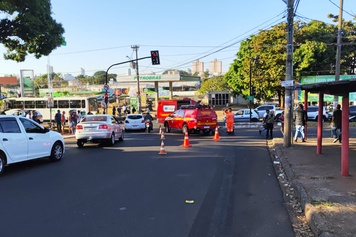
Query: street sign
[(50, 102), (106, 87), (287, 83), (250, 97)]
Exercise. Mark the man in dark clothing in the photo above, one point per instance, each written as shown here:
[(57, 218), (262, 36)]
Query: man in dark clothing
[(300, 119), (336, 124), (58, 119), (149, 117)]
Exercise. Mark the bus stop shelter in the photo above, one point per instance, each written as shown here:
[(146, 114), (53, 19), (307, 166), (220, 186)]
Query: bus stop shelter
[(337, 88)]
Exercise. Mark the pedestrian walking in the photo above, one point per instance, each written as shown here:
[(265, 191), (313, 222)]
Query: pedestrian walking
[(119, 111), (133, 109), (270, 124), (300, 119), (114, 110), (124, 110), (58, 120), (336, 124), (74, 121), (63, 120), (263, 125)]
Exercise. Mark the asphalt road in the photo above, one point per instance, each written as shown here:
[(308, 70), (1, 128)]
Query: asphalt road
[(131, 190)]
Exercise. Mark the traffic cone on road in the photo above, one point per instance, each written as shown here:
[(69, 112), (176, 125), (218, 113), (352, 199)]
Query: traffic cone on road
[(186, 142), (162, 150), (162, 136), (216, 136)]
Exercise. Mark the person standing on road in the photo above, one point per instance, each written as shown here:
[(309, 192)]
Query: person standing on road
[(119, 111), (58, 119), (300, 119), (336, 124), (263, 125), (63, 120), (269, 125), (229, 121), (113, 110)]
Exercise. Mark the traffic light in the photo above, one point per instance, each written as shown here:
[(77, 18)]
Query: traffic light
[(253, 91), (106, 98), (155, 57)]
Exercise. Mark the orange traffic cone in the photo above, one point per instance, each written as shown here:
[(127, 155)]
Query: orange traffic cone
[(162, 150), (216, 136), (186, 142), (162, 136)]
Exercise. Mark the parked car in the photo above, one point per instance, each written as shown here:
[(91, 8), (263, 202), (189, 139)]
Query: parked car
[(104, 128), (135, 122), (243, 115), (192, 119), (312, 113), (23, 139), (352, 112), (261, 110), (22, 112)]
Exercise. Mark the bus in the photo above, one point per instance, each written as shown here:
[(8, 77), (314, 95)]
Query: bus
[(67, 104)]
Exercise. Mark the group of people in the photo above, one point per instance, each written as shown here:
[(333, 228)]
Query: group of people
[(73, 119), (32, 114), (124, 110), (300, 119)]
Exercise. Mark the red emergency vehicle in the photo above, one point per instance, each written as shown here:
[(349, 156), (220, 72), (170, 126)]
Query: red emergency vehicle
[(167, 107)]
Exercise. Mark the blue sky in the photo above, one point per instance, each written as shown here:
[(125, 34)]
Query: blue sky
[(100, 33)]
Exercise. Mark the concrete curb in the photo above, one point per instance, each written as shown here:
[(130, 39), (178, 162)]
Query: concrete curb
[(314, 219)]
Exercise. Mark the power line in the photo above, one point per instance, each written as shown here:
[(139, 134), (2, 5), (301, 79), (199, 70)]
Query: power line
[(353, 15)]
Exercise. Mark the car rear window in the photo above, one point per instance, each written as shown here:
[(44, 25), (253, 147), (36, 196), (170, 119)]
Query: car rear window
[(134, 116), (94, 118)]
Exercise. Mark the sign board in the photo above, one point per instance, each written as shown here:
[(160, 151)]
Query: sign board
[(287, 83), (106, 87), (50, 102), (250, 97)]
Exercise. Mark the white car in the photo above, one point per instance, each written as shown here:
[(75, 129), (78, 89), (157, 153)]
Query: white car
[(135, 122), (313, 112), (243, 115), (23, 139), (22, 112), (101, 128)]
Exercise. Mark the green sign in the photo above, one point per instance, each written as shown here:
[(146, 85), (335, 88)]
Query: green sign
[(250, 97)]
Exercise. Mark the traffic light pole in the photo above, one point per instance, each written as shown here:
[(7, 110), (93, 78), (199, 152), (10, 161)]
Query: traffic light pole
[(106, 77)]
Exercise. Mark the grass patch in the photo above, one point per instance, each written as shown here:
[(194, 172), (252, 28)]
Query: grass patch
[(321, 203)]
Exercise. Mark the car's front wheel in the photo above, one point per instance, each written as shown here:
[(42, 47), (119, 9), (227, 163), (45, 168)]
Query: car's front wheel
[(80, 143), (57, 152)]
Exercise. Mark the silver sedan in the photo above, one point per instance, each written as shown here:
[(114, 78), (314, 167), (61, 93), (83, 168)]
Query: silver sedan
[(104, 128)]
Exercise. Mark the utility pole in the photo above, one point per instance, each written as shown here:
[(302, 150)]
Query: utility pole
[(338, 51), (289, 77), (135, 48), (250, 89)]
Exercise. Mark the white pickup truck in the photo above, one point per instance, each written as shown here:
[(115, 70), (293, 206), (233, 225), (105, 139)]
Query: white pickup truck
[(262, 110)]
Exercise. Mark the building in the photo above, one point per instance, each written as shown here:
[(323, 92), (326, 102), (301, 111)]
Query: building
[(198, 67), (215, 67)]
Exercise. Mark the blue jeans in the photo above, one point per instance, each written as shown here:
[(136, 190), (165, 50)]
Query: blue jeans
[(336, 133), (299, 129)]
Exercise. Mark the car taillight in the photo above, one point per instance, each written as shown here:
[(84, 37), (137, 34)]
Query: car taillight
[(79, 127), (142, 121), (103, 126)]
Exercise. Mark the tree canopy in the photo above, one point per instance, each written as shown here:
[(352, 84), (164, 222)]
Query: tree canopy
[(217, 83), (262, 57), (27, 27)]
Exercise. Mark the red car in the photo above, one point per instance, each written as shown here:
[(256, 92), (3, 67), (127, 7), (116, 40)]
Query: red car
[(192, 119)]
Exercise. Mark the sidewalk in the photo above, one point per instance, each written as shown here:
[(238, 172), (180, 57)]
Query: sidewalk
[(327, 198)]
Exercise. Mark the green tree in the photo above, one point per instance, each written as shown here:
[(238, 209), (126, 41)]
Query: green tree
[(217, 83), (27, 27), (314, 54)]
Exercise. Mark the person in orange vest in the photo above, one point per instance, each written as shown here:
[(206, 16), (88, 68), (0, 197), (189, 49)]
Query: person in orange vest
[(229, 121)]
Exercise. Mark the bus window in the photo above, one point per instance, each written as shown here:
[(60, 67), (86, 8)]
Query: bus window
[(30, 104), (76, 104), (16, 104), (63, 104), (40, 104)]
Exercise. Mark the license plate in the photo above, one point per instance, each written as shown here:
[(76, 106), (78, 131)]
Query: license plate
[(206, 126)]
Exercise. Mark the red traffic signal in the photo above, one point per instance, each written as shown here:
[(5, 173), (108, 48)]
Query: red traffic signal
[(155, 57)]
